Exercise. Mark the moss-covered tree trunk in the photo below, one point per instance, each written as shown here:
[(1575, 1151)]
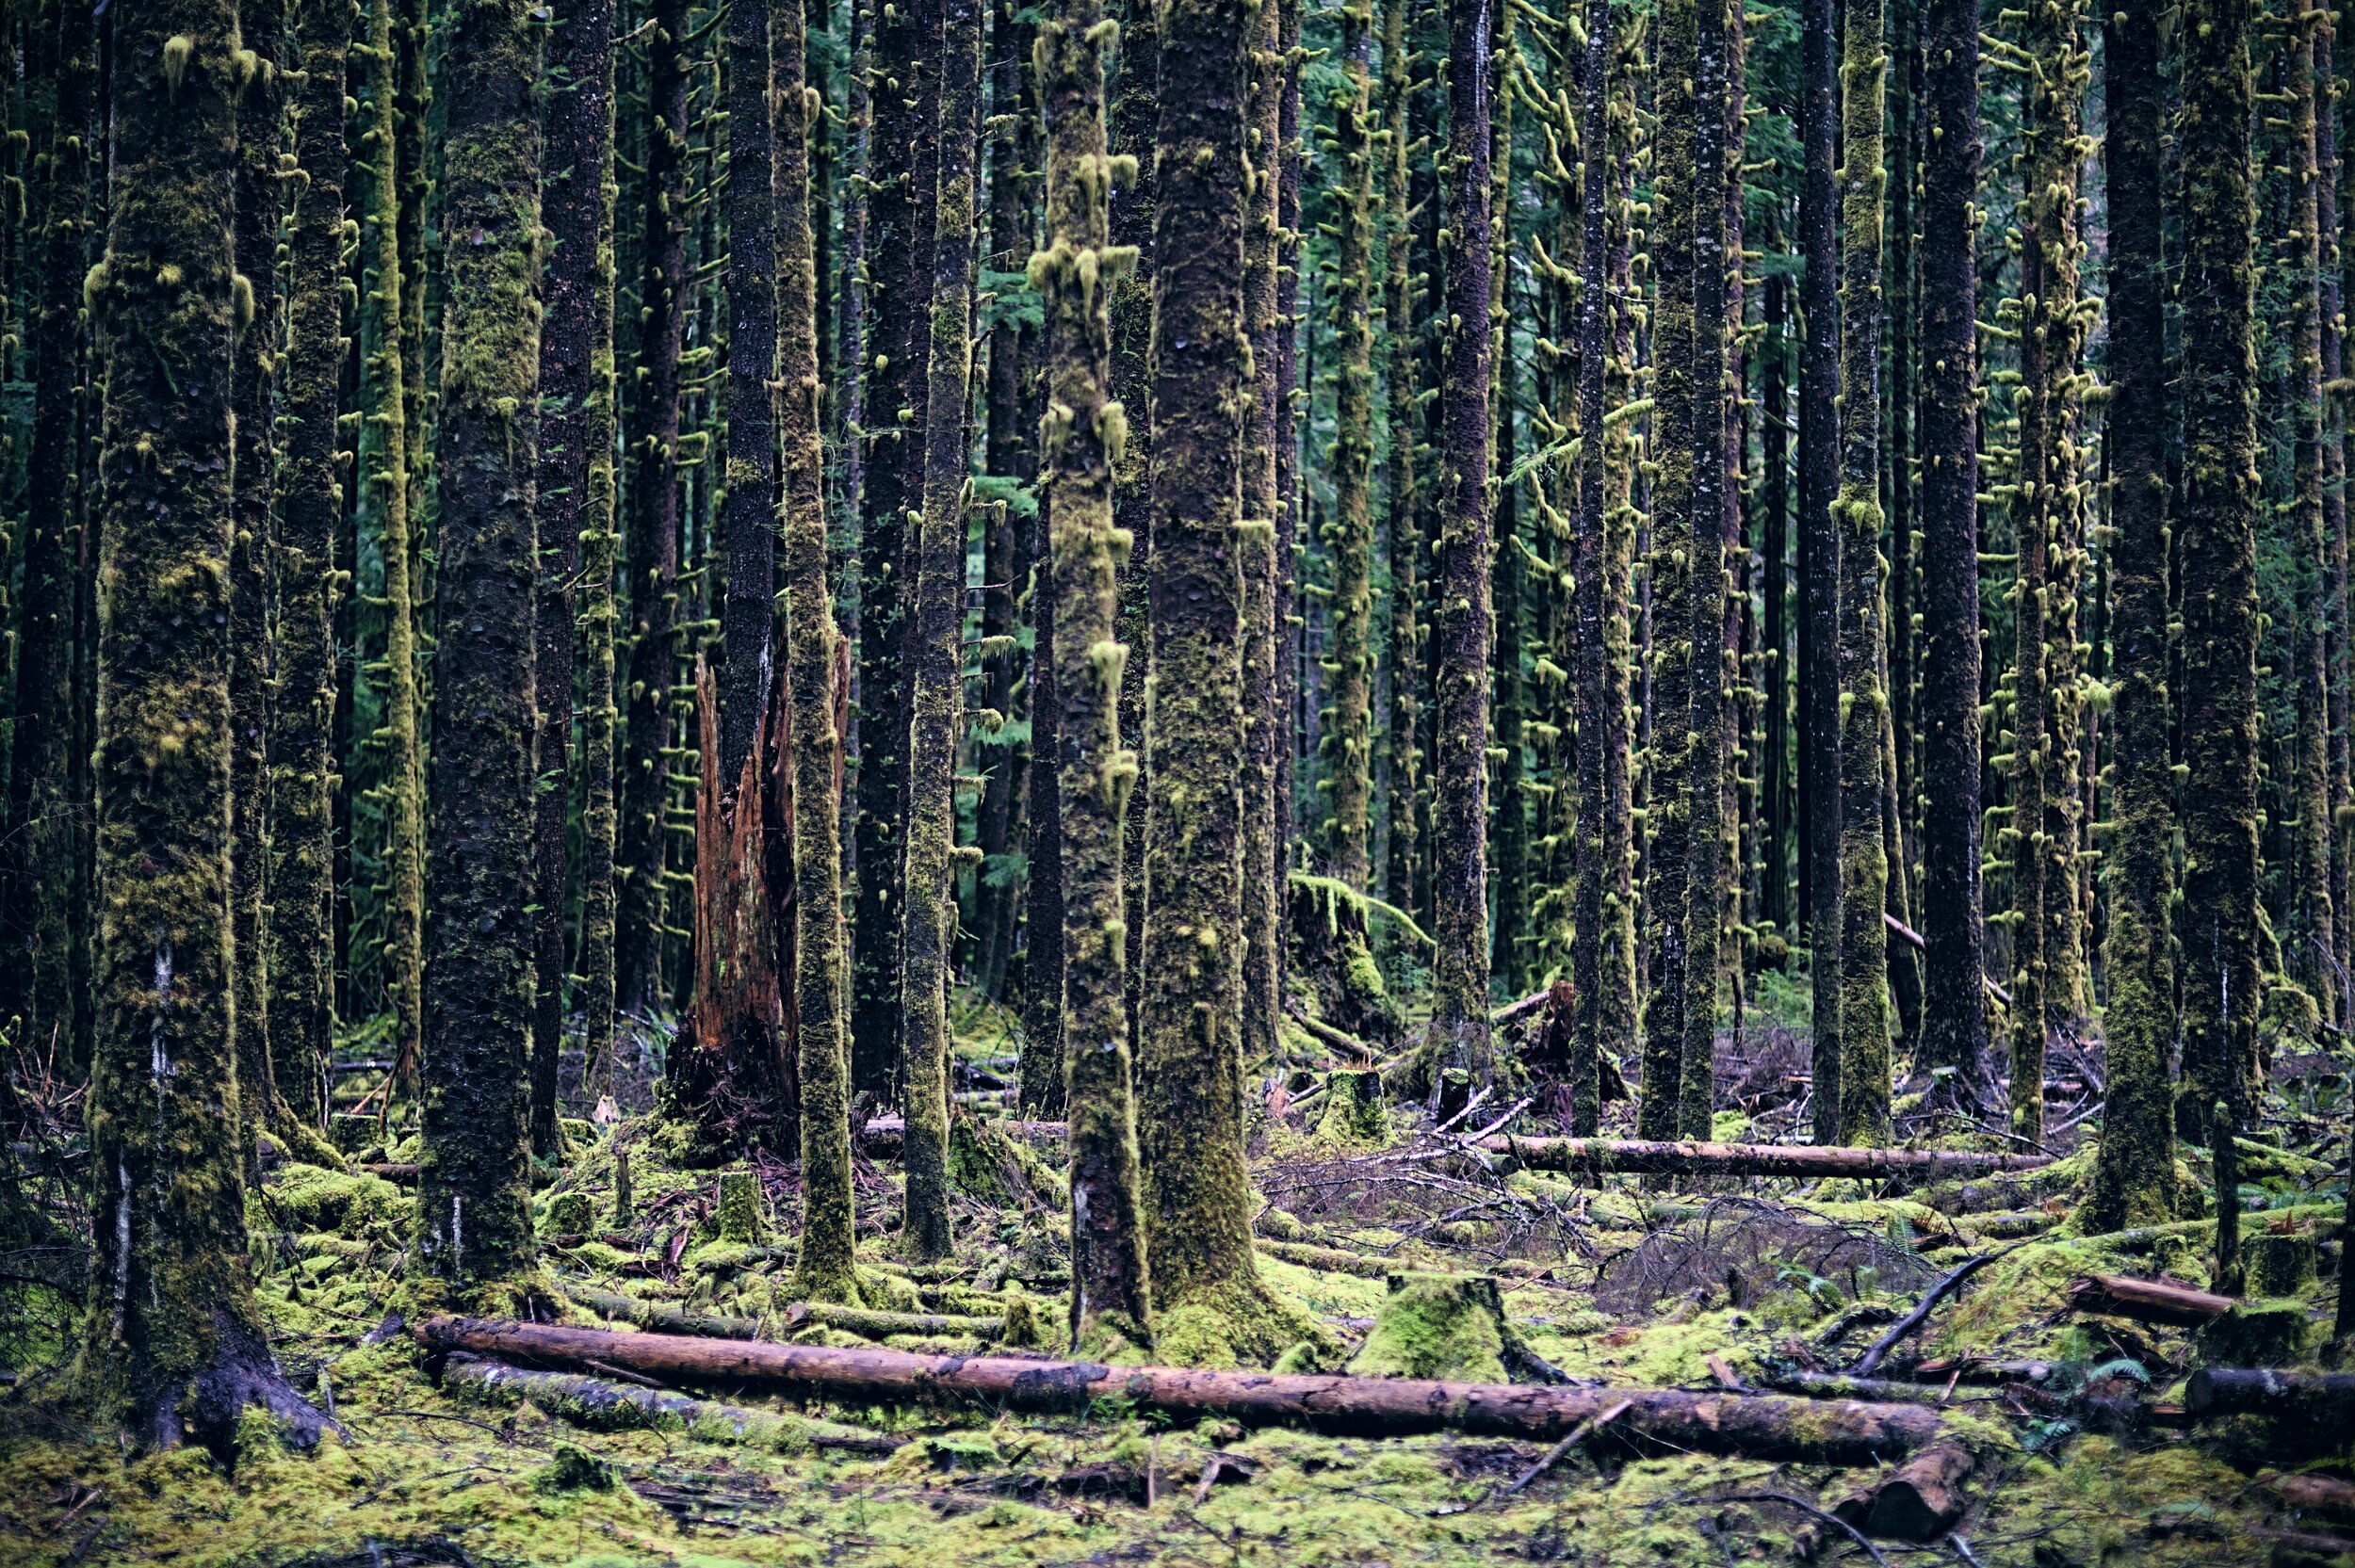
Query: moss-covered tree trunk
[(173, 1345), (1079, 440), (1864, 861), (310, 507), (576, 527), (1349, 532), (642, 847), (1707, 824), (474, 1214), (2310, 945), (1669, 569), (906, 90), (1953, 1015), (1267, 426), (1459, 780), (2133, 1176), (1402, 491), (811, 747), (1615, 1019), (1288, 157), (1773, 671), (1819, 555), (937, 663), (2329, 175), (2215, 540)]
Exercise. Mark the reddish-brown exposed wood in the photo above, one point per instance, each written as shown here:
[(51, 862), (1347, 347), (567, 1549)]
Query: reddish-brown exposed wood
[(1760, 1426), (2148, 1300), (1917, 1500)]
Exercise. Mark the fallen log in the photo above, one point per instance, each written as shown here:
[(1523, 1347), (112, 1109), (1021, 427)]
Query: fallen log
[(2325, 1396), (872, 1324), (1917, 1500), (400, 1173), (2324, 1495), (2148, 1300), (1760, 1426), (1331, 1259), (665, 1317), (880, 1139), (1843, 1385), (661, 1317), (1637, 1156), (1326, 1035), (602, 1405)]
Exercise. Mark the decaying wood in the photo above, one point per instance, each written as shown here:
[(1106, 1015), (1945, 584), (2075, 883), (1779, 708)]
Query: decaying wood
[(661, 1317), (882, 1325), (666, 1318), (1948, 1283), (2148, 1300), (1331, 1259), (880, 1138), (1326, 1035), (1759, 1426), (1840, 1385), (602, 1405), (1917, 1500), (1637, 1157), (2328, 1397), (2324, 1495)]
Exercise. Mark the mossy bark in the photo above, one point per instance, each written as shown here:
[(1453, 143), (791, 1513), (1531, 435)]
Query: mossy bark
[(748, 610), (1079, 438), (1349, 531), (1288, 157), (172, 1343), (811, 747), (1670, 569), (2134, 1175), (1864, 861), (1777, 800), (641, 846), (1953, 1015), (253, 406), (1189, 1067), (2311, 944), (906, 92), (474, 1214), (304, 582), (1461, 632), (2215, 540), (392, 943), (1707, 823), (2330, 174), (1267, 427), (1819, 555), (1403, 489), (1616, 1008), (42, 918), (575, 519), (937, 663)]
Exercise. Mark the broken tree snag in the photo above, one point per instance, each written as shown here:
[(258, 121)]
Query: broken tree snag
[(2148, 1300), (1803, 1431), (1917, 1500), (602, 1405), (1639, 1157), (2259, 1391)]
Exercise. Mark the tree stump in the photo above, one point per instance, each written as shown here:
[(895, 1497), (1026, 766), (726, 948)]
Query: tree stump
[(739, 1213), (2280, 1262), (1355, 1116)]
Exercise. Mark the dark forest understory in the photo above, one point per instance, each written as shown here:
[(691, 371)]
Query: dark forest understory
[(1214, 782)]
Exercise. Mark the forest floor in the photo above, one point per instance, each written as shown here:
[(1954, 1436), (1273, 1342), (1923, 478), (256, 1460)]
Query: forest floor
[(2085, 1453)]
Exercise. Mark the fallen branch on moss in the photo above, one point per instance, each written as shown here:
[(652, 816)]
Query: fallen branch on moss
[(602, 1405), (1326, 1035), (664, 1318), (2148, 1300), (1637, 1157), (1760, 1426), (1871, 1361), (2327, 1396), (880, 1139)]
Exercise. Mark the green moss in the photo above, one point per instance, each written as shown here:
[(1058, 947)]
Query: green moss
[(737, 1215), (1436, 1326)]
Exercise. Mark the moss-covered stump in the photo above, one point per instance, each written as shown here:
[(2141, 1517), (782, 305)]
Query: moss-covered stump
[(1437, 1326), (2279, 1263), (2257, 1333), (1356, 1115), (568, 1214), (738, 1215)]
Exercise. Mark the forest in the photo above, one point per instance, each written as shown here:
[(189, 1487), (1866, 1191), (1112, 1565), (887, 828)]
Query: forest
[(1216, 781)]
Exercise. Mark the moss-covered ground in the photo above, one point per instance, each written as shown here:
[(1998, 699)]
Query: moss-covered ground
[(2086, 1457)]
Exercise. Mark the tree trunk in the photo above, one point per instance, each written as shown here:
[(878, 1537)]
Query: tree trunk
[(2133, 1172), (1402, 492), (1953, 1015), (474, 1214), (173, 1343), (2310, 945), (2215, 537), (1819, 556), (642, 846), (1459, 1020), (1350, 741)]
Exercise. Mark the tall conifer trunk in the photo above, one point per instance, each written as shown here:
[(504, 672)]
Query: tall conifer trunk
[(1266, 425), (1462, 630), (474, 1214), (2133, 1171), (1819, 556), (1953, 1015), (936, 666), (1403, 491), (2310, 946), (1350, 534), (173, 1345)]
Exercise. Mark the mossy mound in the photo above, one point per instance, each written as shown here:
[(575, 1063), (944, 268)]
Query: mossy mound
[(1436, 1326)]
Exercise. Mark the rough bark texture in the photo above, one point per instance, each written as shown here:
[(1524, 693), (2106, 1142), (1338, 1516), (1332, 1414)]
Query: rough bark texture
[(1819, 556), (2216, 539), (173, 1344), (1757, 1426), (309, 509), (1349, 534), (575, 522), (1078, 443), (1864, 861), (1598, 735), (2134, 1173), (1459, 1021), (748, 611), (2309, 944), (474, 1214), (935, 667), (811, 747), (1954, 1046), (1402, 492)]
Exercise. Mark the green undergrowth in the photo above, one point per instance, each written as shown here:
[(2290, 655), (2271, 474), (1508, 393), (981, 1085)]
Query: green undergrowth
[(423, 1473)]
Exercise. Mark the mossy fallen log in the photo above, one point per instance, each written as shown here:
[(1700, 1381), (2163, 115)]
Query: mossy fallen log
[(2148, 1300), (880, 1139), (1638, 1156), (1760, 1426), (1917, 1502), (600, 1404), (661, 1317), (667, 1318), (1842, 1386), (2328, 1398), (883, 1325), (1330, 1259)]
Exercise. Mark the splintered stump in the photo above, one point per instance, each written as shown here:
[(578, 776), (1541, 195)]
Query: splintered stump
[(1770, 1426), (1355, 1115), (1638, 1156)]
